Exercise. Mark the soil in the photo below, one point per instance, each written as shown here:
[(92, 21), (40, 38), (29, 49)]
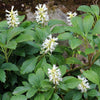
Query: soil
[(22, 5)]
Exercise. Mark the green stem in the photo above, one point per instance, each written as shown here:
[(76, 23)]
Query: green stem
[(4, 50), (55, 88), (72, 70), (99, 87)]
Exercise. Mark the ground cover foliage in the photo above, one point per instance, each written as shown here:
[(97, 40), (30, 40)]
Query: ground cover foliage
[(26, 73)]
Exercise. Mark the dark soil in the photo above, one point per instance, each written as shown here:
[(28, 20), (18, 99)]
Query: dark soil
[(22, 5)]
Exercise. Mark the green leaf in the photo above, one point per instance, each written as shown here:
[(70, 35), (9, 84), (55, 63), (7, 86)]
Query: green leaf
[(55, 22), (28, 65), (77, 96), (93, 93), (63, 69), (40, 64), (45, 68), (11, 45), (26, 24), (52, 59), (6, 96), (9, 67), (3, 24), (58, 29), (95, 9), (49, 94), (33, 80), (39, 97), (20, 90), (71, 82), (73, 60), (18, 97), (85, 8), (65, 36), (96, 29), (2, 76), (14, 32), (41, 34), (77, 23), (55, 97), (45, 84), (89, 51), (92, 76), (24, 37), (40, 74), (87, 23), (31, 92), (96, 67), (21, 18), (74, 43)]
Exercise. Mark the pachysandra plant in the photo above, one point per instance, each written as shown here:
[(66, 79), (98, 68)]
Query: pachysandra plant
[(27, 72), (41, 14), (12, 17)]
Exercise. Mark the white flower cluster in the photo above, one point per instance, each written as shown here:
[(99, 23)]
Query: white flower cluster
[(84, 84), (12, 18), (41, 13), (54, 75), (69, 16), (49, 44)]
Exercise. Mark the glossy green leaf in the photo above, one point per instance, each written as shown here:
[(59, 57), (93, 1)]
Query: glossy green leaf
[(49, 94), (11, 45), (2, 76), (63, 69), (96, 29), (31, 92), (65, 36), (21, 18), (58, 29), (55, 97), (55, 22), (89, 51), (87, 23), (85, 8), (74, 43), (77, 23), (95, 9), (14, 32), (92, 76), (93, 93), (28, 65), (40, 74), (73, 60), (18, 97), (71, 82), (9, 67), (39, 97), (20, 90), (24, 37), (6, 96), (77, 96), (33, 80)]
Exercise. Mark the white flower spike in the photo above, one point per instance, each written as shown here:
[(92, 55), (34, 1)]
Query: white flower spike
[(84, 85), (49, 44), (69, 16), (41, 13), (12, 18), (54, 75)]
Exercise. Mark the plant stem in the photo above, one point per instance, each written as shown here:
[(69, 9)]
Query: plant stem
[(72, 70), (4, 50)]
